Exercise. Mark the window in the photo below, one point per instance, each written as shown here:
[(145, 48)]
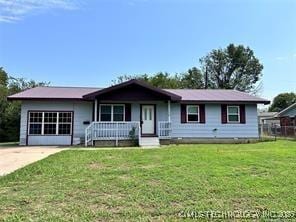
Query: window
[(118, 113), (106, 113), (65, 123), (192, 113), (110, 113), (35, 120), (50, 123), (233, 114)]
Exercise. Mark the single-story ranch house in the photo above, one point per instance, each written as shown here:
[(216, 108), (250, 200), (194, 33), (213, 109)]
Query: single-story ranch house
[(134, 111)]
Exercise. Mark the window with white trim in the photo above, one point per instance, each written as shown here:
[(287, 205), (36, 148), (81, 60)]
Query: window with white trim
[(50, 123), (233, 115), (112, 113), (64, 123), (192, 113), (35, 123)]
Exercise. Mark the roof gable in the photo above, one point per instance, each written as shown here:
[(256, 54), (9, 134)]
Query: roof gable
[(132, 90)]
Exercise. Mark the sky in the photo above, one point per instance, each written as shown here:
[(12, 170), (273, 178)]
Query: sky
[(91, 42)]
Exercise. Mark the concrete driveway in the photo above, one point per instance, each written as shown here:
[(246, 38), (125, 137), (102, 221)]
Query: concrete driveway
[(13, 158)]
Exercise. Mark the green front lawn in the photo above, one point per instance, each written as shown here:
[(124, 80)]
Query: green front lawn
[(152, 184)]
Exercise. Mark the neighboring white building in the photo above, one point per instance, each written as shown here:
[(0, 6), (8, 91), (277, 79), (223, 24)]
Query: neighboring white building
[(268, 118)]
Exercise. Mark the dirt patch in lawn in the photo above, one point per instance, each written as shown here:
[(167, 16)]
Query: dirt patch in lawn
[(95, 166)]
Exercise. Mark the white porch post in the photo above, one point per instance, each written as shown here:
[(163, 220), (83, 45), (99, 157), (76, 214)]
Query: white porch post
[(96, 110), (169, 110)]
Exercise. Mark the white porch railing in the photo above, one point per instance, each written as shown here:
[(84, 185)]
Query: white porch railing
[(164, 129), (112, 131)]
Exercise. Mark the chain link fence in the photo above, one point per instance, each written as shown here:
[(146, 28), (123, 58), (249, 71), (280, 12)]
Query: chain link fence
[(268, 130)]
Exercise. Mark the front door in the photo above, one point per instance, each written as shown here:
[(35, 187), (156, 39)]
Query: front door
[(148, 119)]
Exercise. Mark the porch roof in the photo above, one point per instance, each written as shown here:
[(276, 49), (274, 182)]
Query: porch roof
[(133, 90)]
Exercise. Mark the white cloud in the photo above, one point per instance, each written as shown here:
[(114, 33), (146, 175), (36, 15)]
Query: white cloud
[(15, 10)]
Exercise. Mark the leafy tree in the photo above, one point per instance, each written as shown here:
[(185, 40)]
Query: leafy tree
[(160, 79), (3, 95), (234, 67), (10, 111), (164, 80), (123, 78), (191, 79), (282, 101), (3, 77)]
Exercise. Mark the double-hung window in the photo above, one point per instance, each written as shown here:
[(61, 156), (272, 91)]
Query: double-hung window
[(192, 113), (50, 123), (233, 115), (111, 113)]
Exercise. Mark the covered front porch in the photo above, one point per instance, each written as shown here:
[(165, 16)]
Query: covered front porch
[(117, 131), (131, 111)]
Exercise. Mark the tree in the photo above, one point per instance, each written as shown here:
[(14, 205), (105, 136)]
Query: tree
[(3, 95), (164, 80), (192, 79), (123, 78), (282, 101), (10, 111), (234, 67), (160, 79)]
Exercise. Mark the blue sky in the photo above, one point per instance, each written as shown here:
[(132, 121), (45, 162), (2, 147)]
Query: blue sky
[(91, 42)]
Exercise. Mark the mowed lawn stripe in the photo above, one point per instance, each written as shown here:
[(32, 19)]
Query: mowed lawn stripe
[(152, 184)]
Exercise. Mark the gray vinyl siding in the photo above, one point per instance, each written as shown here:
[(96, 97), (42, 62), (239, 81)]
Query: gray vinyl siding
[(49, 140), (82, 112), (213, 121)]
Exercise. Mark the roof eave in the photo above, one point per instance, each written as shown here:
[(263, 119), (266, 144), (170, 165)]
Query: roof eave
[(42, 98), (285, 110), (228, 101)]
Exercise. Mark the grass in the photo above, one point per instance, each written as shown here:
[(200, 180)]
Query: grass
[(154, 184), (8, 144)]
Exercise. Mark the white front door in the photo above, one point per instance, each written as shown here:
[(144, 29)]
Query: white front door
[(148, 119)]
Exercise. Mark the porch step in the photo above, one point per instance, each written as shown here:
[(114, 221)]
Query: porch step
[(149, 142)]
